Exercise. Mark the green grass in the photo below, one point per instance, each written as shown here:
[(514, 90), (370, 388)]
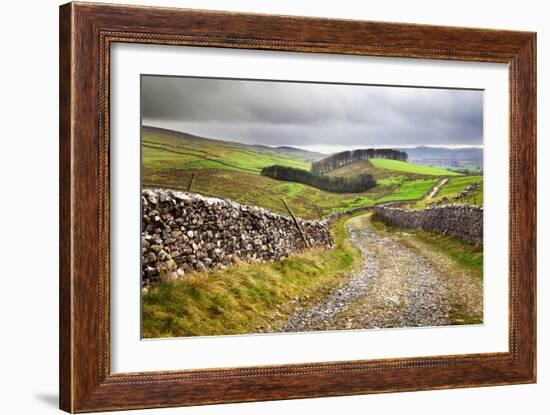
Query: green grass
[(410, 190), (358, 167), (458, 184), (246, 297), (289, 190), (188, 152), (383, 176), (454, 186), (466, 255), (232, 170), (255, 190), (392, 180), (406, 167), (267, 192)]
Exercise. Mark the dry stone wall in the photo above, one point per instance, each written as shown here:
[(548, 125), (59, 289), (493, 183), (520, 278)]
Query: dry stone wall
[(464, 221), (186, 232)]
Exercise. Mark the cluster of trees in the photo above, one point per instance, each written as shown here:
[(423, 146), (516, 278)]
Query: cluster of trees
[(357, 184), (341, 159)]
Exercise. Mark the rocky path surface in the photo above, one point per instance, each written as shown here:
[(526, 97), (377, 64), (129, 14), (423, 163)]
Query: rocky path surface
[(436, 188), (396, 287)]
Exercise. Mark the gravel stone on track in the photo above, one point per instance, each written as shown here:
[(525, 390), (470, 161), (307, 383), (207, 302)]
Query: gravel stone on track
[(394, 288)]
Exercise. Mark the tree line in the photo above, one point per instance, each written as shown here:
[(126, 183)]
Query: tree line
[(345, 157), (357, 184)]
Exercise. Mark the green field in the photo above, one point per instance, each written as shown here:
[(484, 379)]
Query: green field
[(408, 190), (257, 190), (453, 187), (162, 151), (405, 167), (457, 184), (232, 170), (359, 167), (387, 172)]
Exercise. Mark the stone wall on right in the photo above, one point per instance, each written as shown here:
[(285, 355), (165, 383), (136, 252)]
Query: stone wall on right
[(464, 221)]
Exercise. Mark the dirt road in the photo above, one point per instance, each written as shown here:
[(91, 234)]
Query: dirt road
[(436, 188), (399, 285)]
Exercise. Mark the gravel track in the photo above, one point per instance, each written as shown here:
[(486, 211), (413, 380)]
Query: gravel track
[(435, 190), (396, 287)]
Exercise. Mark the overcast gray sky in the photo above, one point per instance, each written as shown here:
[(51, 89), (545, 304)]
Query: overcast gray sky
[(321, 117)]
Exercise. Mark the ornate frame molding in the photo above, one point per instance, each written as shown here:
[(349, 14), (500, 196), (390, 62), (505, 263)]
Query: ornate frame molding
[(86, 34)]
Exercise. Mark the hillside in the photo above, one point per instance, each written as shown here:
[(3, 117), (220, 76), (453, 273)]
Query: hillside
[(336, 160), (470, 158), (406, 167), (365, 166), (384, 170), (290, 152), (232, 170), (463, 189), (359, 167), (199, 152)]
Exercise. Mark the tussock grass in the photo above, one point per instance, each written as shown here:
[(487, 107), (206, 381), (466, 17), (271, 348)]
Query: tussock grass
[(246, 298)]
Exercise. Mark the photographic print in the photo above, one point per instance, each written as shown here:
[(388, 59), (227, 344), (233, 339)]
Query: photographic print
[(276, 206), (321, 207)]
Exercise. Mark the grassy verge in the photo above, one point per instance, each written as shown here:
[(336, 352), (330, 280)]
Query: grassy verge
[(246, 298), (465, 254), (460, 263)]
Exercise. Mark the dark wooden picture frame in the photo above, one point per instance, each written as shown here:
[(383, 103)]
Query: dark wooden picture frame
[(86, 33)]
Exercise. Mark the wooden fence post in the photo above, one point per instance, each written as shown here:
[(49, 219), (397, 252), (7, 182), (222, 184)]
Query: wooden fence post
[(319, 212), (296, 223), (190, 185)]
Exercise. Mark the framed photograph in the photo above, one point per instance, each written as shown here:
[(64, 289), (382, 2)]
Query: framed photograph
[(259, 207)]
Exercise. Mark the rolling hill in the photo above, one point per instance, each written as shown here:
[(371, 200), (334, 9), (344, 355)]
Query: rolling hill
[(384, 169), (290, 152), (454, 187), (232, 170), (170, 147), (358, 167), (444, 153), (470, 158), (407, 167)]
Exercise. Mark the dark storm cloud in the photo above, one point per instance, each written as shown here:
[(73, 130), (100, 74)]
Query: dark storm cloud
[(313, 115)]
